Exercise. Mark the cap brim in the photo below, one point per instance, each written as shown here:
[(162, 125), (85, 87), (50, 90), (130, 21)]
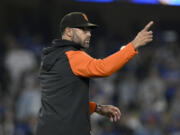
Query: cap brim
[(89, 25)]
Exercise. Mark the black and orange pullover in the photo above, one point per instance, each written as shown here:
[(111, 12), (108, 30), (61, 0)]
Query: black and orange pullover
[(64, 80)]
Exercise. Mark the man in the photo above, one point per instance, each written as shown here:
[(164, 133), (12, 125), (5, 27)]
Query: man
[(65, 73)]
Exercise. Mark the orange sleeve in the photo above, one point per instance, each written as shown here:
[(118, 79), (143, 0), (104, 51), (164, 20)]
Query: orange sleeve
[(92, 107), (84, 65)]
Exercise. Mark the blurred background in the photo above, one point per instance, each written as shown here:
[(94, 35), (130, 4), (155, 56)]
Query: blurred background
[(147, 89)]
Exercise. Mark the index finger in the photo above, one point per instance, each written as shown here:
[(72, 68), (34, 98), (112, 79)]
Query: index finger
[(147, 27)]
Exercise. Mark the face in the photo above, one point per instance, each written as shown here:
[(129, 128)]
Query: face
[(81, 36)]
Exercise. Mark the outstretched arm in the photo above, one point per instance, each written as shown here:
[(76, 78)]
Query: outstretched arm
[(84, 65)]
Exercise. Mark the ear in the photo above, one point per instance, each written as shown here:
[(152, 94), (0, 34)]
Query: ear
[(68, 31)]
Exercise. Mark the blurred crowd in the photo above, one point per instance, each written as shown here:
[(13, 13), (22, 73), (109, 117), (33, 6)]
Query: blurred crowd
[(147, 89), (19, 85)]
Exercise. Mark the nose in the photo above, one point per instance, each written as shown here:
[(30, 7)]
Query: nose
[(88, 33)]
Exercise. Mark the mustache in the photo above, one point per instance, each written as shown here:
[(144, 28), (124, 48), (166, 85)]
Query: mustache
[(87, 39)]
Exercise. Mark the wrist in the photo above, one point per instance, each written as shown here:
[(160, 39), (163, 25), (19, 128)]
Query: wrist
[(134, 44), (98, 108)]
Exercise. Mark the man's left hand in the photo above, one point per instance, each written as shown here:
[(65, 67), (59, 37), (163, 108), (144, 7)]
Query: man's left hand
[(112, 112)]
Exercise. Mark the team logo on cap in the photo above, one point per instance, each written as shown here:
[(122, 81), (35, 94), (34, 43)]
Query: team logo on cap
[(85, 17)]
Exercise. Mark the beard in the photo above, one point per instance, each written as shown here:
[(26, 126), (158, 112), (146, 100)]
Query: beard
[(79, 40), (85, 43)]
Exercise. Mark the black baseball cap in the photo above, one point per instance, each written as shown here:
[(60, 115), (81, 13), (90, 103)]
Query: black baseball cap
[(76, 20)]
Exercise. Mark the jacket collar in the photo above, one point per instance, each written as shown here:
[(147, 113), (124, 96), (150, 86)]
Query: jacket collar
[(62, 43), (57, 43)]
